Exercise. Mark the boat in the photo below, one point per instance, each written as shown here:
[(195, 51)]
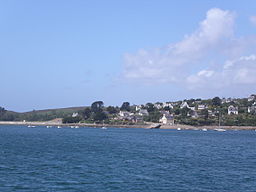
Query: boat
[(59, 127), (103, 127), (76, 127), (178, 128), (219, 129), (204, 129), (155, 126)]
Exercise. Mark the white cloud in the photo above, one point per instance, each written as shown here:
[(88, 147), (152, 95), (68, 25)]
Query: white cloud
[(253, 20), (211, 57), (166, 64), (236, 72)]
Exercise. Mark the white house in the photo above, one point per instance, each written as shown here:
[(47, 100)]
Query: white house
[(251, 98), (184, 104), (158, 105), (167, 119), (138, 107), (252, 109), (232, 110), (228, 100), (201, 107), (125, 114), (74, 114), (167, 104)]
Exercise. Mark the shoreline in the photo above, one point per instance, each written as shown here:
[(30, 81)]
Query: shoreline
[(145, 126)]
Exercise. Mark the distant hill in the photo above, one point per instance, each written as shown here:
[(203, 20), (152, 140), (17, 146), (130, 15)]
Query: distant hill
[(67, 110), (39, 115)]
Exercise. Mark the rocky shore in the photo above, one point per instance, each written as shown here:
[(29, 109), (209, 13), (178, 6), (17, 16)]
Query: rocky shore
[(145, 126)]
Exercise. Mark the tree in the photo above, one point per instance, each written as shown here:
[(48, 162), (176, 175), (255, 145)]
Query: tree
[(86, 113), (184, 111), (71, 119), (99, 116), (125, 106), (97, 106), (2, 111), (216, 101), (153, 116), (111, 110), (150, 107), (205, 114)]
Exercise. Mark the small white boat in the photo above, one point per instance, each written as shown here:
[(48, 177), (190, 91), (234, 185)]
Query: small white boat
[(59, 127), (72, 127), (204, 129), (76, 127), (178, 129), (103, 127), (221, 130), (48, 126)]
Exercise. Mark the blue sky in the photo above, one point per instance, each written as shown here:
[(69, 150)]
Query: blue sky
[(71, 53)]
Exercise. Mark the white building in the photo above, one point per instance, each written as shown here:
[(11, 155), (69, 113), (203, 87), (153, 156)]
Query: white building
[(201, 107), (158, 105), (251, 98), (252, 109), (232, 110), (167, 104), (125, 114), (138, 107), (167, 120), (74, 114), (184, 104)]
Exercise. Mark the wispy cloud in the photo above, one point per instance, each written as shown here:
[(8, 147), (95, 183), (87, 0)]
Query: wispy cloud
[(253, 20), (210, 57)]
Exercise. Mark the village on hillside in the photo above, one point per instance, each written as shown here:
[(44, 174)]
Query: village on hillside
[(197, 112)]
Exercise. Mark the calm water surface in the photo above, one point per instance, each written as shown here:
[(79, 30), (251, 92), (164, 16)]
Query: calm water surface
[(92, 159)]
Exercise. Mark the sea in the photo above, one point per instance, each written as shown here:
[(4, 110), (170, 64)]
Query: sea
[(41, 159)]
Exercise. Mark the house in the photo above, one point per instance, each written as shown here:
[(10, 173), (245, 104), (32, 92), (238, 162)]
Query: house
[(143, 112), (165, 112), (138, 107), (125, 114), (158, 105), (228, 100), (192, 108), (251, 98), (201, 107), (138, 119), (193, 114), (167, 119), (168, 104), (252, 109), (74, 114), (232, 110), (184, 104), (211, 113)]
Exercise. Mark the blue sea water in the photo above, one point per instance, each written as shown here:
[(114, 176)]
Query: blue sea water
[(93, 159)]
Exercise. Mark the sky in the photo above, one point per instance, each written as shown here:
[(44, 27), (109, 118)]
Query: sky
[(71, 53)]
